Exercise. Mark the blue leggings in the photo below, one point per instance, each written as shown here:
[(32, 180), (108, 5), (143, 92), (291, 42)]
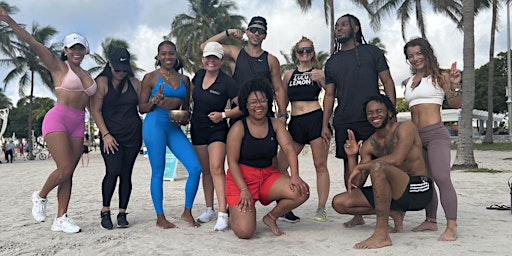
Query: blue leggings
[(158, 132)]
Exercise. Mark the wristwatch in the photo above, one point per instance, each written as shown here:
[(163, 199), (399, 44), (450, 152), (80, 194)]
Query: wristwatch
[(223, 115)]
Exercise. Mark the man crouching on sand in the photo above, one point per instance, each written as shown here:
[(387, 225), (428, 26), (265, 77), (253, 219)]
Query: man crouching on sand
[(393, 158)]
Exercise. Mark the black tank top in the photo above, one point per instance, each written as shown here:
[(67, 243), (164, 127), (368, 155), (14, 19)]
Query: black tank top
[(258, 152), (248, 68), (302, 88), (119, 111)]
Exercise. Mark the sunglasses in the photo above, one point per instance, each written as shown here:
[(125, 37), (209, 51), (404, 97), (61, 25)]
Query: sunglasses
[(304, 50), (260, 31)]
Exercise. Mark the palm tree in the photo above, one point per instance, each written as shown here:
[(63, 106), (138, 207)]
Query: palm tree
[(378, 9), (490, 85), (206, 18), (6, 33), (106, 47), (27, 65), (377, 42), (488, 139), (465, 157), (305, 5), (5, 102)]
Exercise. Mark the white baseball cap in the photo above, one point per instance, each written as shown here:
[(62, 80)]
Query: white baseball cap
[(213, 48), (75, 38)]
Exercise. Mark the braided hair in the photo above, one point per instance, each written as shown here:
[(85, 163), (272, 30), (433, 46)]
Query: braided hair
[(357, 37)]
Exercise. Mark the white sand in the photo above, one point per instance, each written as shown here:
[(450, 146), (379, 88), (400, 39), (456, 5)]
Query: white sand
[(481, 231)]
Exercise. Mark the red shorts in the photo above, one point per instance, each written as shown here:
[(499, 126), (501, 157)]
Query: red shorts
[(258, 181)]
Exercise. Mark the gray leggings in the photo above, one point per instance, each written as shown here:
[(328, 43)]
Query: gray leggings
[(436, 150)]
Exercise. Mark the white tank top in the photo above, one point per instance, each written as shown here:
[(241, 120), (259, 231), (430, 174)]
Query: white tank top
[(425, 92)]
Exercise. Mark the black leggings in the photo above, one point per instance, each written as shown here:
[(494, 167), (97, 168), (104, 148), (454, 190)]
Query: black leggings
[(119, 165)]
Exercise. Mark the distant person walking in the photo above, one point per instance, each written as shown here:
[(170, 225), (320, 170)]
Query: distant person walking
[(85, 152)]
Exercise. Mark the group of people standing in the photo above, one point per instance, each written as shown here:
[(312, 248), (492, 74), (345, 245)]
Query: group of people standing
[(402, 159)]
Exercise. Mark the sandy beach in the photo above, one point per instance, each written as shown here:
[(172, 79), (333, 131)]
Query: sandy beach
[(481, 231)]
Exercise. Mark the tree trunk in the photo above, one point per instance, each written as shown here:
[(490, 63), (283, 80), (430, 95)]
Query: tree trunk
[(30, 106), (465, 157), (490, 85)]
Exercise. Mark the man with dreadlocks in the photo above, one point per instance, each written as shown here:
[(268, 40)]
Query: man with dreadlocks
[(352, 75)]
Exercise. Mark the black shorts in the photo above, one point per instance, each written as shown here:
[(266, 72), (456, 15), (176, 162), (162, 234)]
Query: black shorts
[(207, 135), (362, 131), (85, 150), (306, 127), (417, 195)]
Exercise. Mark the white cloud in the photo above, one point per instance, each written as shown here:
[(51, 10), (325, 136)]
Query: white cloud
[(142, 23)]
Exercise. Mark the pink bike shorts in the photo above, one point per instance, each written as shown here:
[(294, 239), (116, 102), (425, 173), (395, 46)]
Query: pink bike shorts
[(62, 118)]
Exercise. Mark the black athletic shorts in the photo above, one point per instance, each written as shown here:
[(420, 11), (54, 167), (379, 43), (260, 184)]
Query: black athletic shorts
[(208, 135), (416, 196), (306, 127)]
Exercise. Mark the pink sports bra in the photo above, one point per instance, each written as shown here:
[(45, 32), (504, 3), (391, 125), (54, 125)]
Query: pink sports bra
[(425, 92), (71, 82)]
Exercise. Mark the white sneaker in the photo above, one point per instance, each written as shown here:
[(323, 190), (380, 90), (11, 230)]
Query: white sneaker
[(39, 208), (207, 216), (65, 225), (222, 222)]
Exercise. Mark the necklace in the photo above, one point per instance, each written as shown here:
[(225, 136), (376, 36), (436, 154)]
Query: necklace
[(167, 76)]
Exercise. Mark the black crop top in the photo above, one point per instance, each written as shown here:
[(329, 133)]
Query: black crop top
[(302, 88), (258, 152)]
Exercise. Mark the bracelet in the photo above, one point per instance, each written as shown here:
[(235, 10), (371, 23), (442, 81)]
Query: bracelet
[(285, 115), (105, 135), (227, 33), (455, 91), (243, 189), (223, 115)]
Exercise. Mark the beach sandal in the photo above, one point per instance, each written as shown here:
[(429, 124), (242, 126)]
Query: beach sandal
[(501, 207)]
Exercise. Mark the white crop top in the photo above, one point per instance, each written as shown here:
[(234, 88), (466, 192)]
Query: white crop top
[(425, 92)]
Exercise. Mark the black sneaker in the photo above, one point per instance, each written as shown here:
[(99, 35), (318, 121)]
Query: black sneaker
[(106, 222), (121, 220), (289, 217)]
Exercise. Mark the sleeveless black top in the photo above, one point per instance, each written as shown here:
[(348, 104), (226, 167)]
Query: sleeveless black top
[(120, 114), (302, 88), (258, 152), (248, 68)]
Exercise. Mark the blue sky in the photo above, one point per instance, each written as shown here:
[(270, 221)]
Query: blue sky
[(142, 23)]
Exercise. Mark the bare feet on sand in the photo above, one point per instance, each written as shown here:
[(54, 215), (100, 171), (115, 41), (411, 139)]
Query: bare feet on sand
[(162, 222), (187, 216), (450, 233), (374, 241), (357, 220), (270, 221), (427, 225), (398, 219)]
